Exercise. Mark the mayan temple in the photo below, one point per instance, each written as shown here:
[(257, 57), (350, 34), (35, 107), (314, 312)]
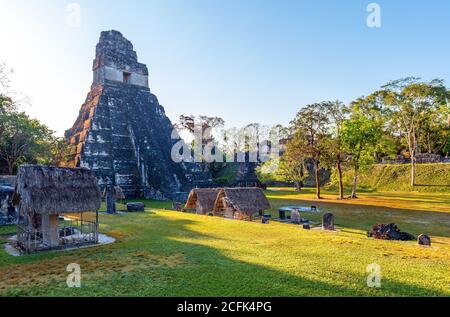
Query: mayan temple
[(122, 132)]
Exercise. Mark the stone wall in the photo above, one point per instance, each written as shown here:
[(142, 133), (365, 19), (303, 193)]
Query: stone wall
[(421, 158), (8, 214), (108, 73)]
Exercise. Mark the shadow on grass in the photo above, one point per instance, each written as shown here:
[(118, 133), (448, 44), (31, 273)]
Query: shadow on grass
[(121, 206), (328, 190), (203, 270), (429, 185), (430, 199), (364, 217)]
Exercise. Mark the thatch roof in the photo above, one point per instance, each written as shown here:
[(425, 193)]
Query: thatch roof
[(203, 198), (51, 190), (246, 199)]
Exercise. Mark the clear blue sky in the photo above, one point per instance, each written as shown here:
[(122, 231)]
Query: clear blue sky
[(244, 60)]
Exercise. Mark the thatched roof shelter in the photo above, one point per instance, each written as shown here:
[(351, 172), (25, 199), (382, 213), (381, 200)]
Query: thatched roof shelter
[(50, 190), (202, 199), (241, 202)]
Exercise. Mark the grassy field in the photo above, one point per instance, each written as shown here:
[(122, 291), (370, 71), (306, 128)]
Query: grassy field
[(165, 253), (413, 212)]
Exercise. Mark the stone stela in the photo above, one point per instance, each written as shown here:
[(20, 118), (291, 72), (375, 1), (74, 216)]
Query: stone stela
[(328, 222)]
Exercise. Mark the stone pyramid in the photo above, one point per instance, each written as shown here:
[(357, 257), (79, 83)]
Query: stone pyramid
[(122, 132)]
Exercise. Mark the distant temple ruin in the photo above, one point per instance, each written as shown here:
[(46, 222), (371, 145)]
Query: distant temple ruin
[(122, 132)]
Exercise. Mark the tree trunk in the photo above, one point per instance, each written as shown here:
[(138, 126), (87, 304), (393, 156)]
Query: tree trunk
[(316, 166), (298, 185), (355, 183), (341, 184), (416, 141), (413, 149), (10, 167)]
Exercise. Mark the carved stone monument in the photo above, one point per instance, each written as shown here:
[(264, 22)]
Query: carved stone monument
[(328, 222)]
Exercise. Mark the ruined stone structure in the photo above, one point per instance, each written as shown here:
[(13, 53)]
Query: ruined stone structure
[(122, 132), (8, 214), (246, 175)]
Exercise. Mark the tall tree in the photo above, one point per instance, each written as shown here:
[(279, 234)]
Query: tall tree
[(293, 163), (360, 137), (7, 104), (435, 136), (411, 102), (205, 123), (59, 153), (201, 129), (336, 112), (23, 140), (290, 167), (310, 136)]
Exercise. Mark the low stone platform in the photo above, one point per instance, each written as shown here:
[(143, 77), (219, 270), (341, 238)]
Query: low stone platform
[(103, 239), (288, 221), (300, 209)]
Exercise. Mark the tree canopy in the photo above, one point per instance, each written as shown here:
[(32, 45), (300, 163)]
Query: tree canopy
[(404, 118), (23, 139)]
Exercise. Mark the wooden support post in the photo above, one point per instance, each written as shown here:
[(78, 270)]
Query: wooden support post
[(96, 226)]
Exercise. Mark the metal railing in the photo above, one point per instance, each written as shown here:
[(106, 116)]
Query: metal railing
[(72, 233)]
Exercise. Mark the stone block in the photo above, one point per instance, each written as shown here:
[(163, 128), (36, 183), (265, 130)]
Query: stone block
[(135, 207), (328, 221), (424, 240)]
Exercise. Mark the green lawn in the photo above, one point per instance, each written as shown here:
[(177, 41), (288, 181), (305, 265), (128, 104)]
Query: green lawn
[(165, 253)]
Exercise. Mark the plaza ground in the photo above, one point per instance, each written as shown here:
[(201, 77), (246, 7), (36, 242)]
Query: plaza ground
[(166, 253)]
